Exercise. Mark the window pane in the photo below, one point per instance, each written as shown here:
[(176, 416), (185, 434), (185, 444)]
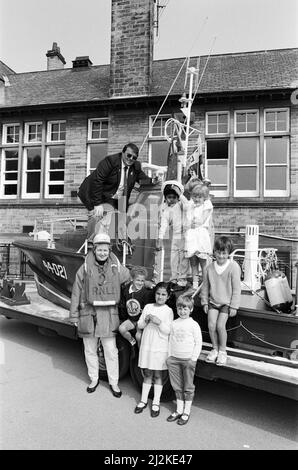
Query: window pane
[(97, 153), (11, 160), (246, 151), (12, 134), (57, 189), (11, 165), (157, 128), (218, 172), (34, 159), (276, 150), (10, 189), (212, 118), (159, 153), (246, 179), (33, 182), (252, 127), (11, 176), (57, 176), (281, 118), (57, 158), (241, 127), (34, 133), (217, 149), (276, 178), (212, 128), (222, 128)]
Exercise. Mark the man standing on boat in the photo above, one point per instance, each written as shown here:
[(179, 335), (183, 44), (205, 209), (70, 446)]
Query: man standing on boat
[(109, 187)]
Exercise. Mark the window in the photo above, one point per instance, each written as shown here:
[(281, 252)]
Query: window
[(56, 131), (217, 165), (96, 153), (217, 123), (276, 120), (246, 122), (55, 172), (9, 173), (246, 174), (98, 129), (33, 132), (276, 166), (31, 172), (158, 145), (11, 133), (97, 148)]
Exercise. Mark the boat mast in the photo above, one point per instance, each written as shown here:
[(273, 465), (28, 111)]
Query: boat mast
[(186, 104)]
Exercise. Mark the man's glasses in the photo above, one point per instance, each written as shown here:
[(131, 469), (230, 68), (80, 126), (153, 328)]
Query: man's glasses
[(131, 156)]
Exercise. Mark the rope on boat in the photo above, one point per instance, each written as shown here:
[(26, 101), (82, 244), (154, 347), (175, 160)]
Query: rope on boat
[(257, 337)]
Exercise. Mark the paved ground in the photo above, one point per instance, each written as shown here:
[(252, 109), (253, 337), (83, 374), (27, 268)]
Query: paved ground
[(44, 405)]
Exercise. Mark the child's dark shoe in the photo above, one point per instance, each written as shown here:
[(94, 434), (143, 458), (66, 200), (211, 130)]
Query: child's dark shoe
[(155, 412), (173, 417), (183, 419), (140, 407)]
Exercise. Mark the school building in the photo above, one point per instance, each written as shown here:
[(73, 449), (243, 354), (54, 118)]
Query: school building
[(57, 124)]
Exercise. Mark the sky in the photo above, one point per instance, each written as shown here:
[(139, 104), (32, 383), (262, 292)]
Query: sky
[(186, 27)]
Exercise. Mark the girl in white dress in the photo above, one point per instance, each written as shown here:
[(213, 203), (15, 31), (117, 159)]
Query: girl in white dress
[(155, 321), (199, 235)]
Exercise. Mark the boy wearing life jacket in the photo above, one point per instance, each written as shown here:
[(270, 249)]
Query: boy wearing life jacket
[(94, 309)]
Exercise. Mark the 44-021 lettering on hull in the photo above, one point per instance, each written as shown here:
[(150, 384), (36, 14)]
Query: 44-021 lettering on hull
[(56, 269)]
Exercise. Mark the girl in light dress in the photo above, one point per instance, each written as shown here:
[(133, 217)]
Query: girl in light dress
[(199, 233), (155, 321)]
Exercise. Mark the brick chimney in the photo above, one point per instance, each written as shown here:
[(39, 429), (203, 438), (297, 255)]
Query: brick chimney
[(131, 47), (55, 58)]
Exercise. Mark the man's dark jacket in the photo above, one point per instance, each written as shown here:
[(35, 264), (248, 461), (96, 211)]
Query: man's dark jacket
[(103, 182)]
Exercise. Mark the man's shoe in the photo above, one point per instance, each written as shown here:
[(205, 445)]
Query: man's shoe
[(173, 417), (139, 409), (183, 419), (116, 394), (155, 413), (92, 389)]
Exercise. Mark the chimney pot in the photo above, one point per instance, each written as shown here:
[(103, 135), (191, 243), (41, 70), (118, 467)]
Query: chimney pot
[(55, 58)]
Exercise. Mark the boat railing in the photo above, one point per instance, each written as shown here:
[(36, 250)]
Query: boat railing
[(264, 259)]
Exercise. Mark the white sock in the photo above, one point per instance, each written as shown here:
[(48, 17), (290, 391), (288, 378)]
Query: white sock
[(195, 281), (157, 394), (180, 406), (145, 392), (187, 406)]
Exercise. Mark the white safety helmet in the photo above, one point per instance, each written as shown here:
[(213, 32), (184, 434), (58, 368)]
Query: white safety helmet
[(101, 238), (173, 186)]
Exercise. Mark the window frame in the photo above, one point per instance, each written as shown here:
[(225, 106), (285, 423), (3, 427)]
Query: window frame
[(26, 133), (247, 111), (218, 192), (24, 193), (219, 134), (247, 193), (90, 140), (98, 139), (155, 138), (277, 192), (49, 128), (47, 181), (2, 174), (270, 110), (4, 135)]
